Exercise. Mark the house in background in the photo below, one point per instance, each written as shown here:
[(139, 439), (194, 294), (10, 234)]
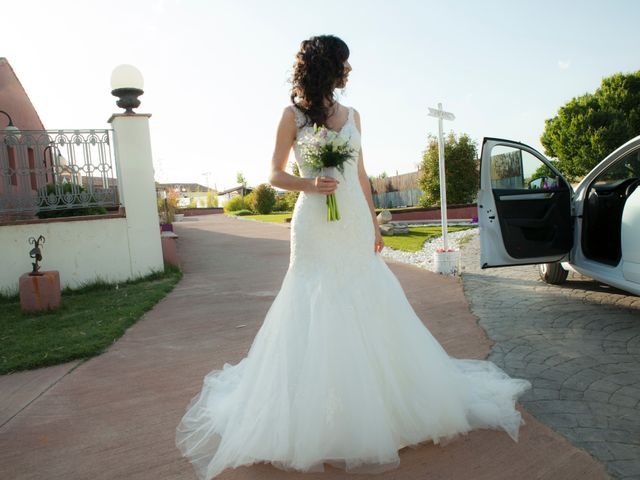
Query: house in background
[(192, 194), (228, 194), (16, 188)]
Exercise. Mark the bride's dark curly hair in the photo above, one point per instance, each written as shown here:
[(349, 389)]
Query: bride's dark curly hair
[(317, 70)]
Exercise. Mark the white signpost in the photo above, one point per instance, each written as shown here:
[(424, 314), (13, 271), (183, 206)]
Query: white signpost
[(443, 266)]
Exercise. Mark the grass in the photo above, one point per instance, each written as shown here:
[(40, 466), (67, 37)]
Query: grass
[(89, 320), (414, 241), (272, 217)]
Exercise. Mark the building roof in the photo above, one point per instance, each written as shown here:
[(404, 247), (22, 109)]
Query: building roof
[(15, 101)]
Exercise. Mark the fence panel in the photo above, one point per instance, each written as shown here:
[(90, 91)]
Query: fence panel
[(50, 170)]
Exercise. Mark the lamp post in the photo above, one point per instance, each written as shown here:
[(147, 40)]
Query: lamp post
[(127, 84), (11, 129)]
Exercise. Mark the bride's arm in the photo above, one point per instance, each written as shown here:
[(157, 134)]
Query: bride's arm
[(279, 177), (366, 188)]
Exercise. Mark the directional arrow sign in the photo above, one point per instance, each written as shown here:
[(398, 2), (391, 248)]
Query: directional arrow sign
[(434, 112)]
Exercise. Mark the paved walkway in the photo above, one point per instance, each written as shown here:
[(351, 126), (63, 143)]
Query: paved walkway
[(113, 417), (579, 344)]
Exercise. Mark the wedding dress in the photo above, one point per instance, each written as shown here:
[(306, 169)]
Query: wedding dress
[(342, 370)]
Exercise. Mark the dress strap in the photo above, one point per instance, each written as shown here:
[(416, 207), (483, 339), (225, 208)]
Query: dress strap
[(301, 118)]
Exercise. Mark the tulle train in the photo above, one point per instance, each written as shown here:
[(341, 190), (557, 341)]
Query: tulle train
[(341, 374)]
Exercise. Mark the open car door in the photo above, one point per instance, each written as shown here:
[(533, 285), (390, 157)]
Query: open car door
[(524, 207)]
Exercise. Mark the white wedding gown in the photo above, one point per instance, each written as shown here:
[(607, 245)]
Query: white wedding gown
[(342, 370)]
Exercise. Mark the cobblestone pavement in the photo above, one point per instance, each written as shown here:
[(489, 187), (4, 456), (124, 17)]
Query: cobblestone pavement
[(579, 345)]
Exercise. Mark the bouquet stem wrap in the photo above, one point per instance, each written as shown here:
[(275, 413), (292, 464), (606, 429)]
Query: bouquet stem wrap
[(332, 204)]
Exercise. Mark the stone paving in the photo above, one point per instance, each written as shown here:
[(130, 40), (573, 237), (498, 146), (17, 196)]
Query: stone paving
[(579, 345)]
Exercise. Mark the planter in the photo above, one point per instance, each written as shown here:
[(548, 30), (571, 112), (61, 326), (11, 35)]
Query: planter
[(40, 292), (166, 227), (447, 263)]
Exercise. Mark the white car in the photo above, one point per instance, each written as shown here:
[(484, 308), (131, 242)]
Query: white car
[(529, 214)]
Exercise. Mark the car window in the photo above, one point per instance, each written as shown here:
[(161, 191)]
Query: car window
[(516, 169), (623, 169)]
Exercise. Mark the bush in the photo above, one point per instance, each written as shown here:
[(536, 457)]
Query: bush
[(167, 206), (249, 201), (235, 203), (67, 188), (212, 198), (241, 213), (264, 198)]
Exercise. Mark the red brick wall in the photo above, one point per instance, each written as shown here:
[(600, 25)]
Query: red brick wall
[(456, 212)]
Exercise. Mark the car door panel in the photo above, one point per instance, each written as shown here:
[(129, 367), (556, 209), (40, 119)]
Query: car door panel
[(520, 225)]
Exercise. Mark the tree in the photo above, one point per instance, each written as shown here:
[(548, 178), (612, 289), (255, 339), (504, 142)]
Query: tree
[(241, 181), (212, 198), (589, 127), (461, 171), (264, 198)]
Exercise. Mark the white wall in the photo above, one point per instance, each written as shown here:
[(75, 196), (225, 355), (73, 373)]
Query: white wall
[(81, 251), (111, 249)]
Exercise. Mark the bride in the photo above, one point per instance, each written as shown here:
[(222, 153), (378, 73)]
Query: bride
[(342, 370)]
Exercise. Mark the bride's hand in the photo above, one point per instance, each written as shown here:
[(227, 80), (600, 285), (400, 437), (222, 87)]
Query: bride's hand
[(379, 243), (325, 185)]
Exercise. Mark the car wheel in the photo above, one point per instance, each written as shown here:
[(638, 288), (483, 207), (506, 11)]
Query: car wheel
[(552, 273)]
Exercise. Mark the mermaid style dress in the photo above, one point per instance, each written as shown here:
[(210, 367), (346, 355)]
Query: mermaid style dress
[(342, 370)]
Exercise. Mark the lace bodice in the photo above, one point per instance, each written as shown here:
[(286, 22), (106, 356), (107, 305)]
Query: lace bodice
[(349, 130), (316, 241)]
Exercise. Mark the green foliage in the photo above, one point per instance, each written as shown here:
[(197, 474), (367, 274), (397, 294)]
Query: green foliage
[(295, 170), (236, 203), (589, 127), (67, 188), (264, 198), (249, 201), (212, 198), (461, 171), (281, 205), (242, 213)]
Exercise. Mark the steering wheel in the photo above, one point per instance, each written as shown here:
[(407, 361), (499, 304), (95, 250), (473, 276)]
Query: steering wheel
[(631, 187)]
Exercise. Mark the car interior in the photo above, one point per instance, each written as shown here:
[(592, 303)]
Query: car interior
[(602, 214)]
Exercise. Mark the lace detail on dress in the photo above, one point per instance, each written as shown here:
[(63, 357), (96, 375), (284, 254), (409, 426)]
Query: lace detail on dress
[(301, 118)]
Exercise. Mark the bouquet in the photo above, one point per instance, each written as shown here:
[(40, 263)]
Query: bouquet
[(325, 151)]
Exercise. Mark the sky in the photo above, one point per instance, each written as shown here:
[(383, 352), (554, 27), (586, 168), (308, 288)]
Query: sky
[(216, 73)]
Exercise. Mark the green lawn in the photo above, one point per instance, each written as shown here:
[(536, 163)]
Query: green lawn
[(414, 241), (272, 217), (87, 322)]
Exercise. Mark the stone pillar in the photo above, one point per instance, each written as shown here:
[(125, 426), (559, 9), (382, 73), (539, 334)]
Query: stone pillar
[(132, 147)]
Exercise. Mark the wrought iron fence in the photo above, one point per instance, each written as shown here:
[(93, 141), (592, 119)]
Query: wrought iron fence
[(63, 171)]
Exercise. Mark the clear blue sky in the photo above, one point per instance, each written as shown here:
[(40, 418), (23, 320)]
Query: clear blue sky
[(216, 71)]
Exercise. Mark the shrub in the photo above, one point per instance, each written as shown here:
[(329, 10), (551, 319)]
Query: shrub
[(234, 203), (264, 198), (67, 188), (249, 201), (167, 206), (212, 198), (241, 213)]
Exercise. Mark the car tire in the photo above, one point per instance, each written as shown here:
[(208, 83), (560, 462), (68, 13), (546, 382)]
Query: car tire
[(552, 273)]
